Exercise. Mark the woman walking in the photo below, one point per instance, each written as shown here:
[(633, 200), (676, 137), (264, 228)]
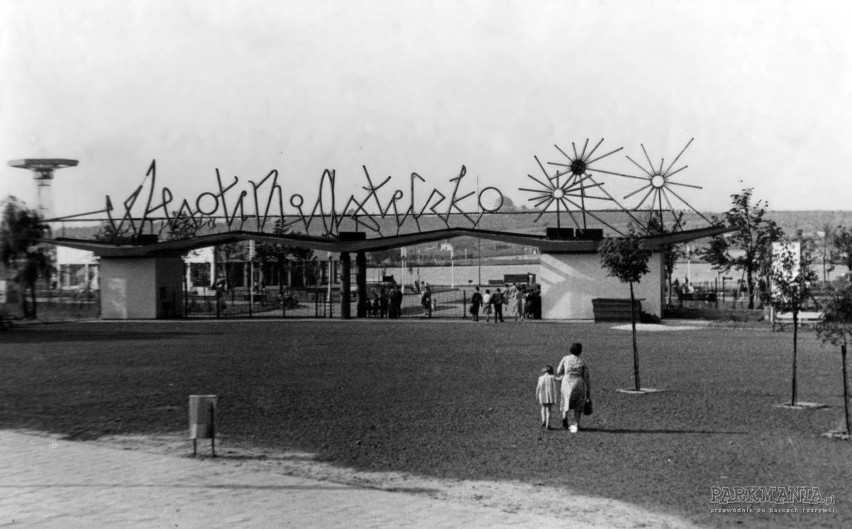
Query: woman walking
[(575, 386)]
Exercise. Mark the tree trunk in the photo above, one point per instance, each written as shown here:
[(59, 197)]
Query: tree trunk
[(25, 307), (669, 280), (845, 390), (750, 284), (635, 348), (34, 313), (186, 267), (795, 340)]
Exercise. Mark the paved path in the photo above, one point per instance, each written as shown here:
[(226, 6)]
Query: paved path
[(49, 483)]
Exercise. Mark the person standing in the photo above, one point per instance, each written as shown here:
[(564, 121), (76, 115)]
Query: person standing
[(475, 303), (497, 301), (520, 301), (426, 300), (399, 298), (576, 389), (546, 394), (486, 305), (391, 302), (510, 293), (383, 304)]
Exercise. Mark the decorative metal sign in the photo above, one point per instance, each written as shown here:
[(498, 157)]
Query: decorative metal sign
[(566, 191), (267, 201)]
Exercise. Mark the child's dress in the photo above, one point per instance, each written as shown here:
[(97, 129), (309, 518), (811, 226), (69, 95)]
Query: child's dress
[(547, 391)]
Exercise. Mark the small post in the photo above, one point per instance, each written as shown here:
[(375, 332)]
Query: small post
[(202, 421)]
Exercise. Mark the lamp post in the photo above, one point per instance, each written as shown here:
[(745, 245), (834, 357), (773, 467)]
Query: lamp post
[(452, 269), (403, 253), (688, 261)]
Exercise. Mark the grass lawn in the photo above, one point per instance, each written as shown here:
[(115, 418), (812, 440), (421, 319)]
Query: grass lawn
[(456, 399)]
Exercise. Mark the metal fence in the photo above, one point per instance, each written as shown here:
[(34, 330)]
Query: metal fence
[(56, 304), (320, 302)]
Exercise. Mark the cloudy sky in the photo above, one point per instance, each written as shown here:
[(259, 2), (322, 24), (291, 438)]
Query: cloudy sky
[(764, 87)]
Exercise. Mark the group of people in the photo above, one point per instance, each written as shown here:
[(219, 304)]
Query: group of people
[(575, 390), (385, 303), (521, 303)]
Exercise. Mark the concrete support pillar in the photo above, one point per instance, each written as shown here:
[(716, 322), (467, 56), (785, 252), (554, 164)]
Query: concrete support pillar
[(345, 285), (361, 283), (141, 287)]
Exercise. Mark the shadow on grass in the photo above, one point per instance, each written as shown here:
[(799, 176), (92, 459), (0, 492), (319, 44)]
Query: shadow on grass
[(40, 334), (107, 485), (626, 430), (261, 457)]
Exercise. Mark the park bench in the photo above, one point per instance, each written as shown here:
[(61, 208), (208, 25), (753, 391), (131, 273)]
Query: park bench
[(258, 298), (5, 322), (806, 318)]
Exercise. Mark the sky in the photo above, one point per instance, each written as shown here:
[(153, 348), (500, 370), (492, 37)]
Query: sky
[(245, 87)]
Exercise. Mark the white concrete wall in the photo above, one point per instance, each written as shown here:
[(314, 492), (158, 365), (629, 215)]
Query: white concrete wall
[(141, 288), (65, 255), (127, 289), (569, 282)]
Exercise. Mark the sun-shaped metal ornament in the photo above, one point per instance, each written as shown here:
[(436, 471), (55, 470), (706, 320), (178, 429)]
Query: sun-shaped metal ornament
[(659, 186), (569, 188)]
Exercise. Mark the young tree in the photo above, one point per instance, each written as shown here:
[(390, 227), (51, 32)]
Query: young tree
[(21, 231), (225, 255), (626, 259), (671, 252), (836, 329), (843, 244), (827, 250), (748, 247), (792, 279)]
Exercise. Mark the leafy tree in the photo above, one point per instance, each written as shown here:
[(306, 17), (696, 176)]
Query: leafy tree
[(671, 252), (21, 250), (182, 226), (836, 329), (843, 243), (792, 279), (280, 255), (749, 246), (827, 250), (224, 256), (115, 235), (626, 259)]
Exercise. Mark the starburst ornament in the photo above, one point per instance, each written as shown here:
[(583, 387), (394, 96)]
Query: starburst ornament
[(659, 186), (568, 189)]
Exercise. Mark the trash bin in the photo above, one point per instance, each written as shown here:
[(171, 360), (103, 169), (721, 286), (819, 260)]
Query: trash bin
[(202, 420)]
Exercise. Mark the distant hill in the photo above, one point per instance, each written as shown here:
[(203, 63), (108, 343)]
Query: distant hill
[(810, 222)]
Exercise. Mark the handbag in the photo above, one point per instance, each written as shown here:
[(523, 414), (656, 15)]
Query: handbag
[(587, 406)]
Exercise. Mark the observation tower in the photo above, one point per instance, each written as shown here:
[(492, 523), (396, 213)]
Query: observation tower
[(43, 169)]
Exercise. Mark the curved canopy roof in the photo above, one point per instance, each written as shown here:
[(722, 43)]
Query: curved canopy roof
[(345, 244)]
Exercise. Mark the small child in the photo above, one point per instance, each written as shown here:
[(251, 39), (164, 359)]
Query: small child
[(547, 393)]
